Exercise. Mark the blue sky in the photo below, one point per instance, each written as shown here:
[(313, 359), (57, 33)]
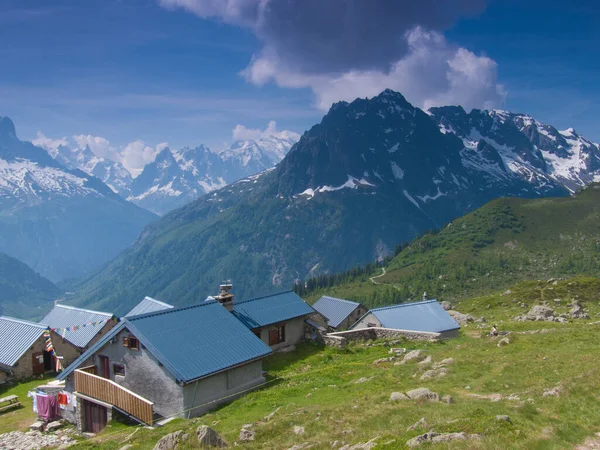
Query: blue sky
[(188, 71)]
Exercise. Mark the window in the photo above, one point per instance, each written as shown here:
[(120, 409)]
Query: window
[(277, 335), (119, 369), (131, 343)]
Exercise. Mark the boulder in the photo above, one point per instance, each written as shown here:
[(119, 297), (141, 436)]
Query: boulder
[(397, 396), (298, 430), (444, 363), (427, 361), (37, 425), (247, 433), (462, 319), (417, 441), (384, 360), (447, 306), (577, 312), (53, 426), (421, 423), (415, 355), (423, 394), (434, 373), (209, 437), (504, 341), (446, 437), (447, 399), (503, 418), (170, 441), (540, 313)]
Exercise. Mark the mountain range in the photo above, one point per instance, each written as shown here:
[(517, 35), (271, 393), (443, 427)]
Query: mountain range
[(177, 177), (61, 222), (374, 173)]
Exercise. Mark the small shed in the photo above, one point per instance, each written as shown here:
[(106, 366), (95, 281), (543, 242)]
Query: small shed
[(428, 316), (81, 327), (28, 349), (341, 314), (278, 319), (148, 305)]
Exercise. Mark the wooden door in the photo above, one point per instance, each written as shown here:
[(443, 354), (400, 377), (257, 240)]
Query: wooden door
[(37, 363), (104, 371), (95, 417), (273, 336)]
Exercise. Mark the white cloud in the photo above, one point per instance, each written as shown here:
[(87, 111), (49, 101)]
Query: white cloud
[(241, 133), (432, 73), (136, 154), (48, 144), (99, 145)]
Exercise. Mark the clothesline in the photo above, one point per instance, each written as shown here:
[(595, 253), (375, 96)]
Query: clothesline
[(83, 325)]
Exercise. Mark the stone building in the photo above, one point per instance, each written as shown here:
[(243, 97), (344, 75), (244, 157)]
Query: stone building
[(23, 350), (340, 314)]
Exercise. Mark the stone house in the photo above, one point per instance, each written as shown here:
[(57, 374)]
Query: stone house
[(174, 362), (279, 320), (340, 314), (426, 316), (81, 327), (23, 351)]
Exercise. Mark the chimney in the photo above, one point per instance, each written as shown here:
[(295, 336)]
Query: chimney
[(425, 296), (225, 296)]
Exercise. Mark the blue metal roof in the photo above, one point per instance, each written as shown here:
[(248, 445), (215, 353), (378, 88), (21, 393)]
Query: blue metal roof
[(336, 310), (428, 316), (148, 305), (263, 311), (63, 316), (16, 337), (191, 342)]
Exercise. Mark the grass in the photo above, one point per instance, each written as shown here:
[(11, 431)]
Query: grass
[(316, 388), (19, 418)]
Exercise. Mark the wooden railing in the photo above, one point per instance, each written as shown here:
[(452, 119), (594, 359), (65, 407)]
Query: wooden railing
[(90, 369), (110, 392)]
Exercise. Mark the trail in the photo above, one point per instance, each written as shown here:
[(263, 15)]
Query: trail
[(382, 284)]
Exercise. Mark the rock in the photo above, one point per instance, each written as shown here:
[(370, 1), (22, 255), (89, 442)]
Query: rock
[(303, 446), (446, 437), (421, 423), (540, 313), (493, 397), (384, 360), (127, 447), (53, 426), (447, 399), (247, 433), (434, 373), (298, 430), (170, 441), (504, 341), (563, 320), (209, 437), (577, 312), (444, 363), (462, 319), (427, 361), (270, 416), (554, 392), (397, 396), (33, 440), (364, 446), (417, 441), (423, 394), (503, 418), (37, 425), (362, 380), (507, 292), (415, 355), (447, 306)]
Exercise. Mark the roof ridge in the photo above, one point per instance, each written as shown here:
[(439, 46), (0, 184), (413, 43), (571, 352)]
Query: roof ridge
[(264, 296), (23, 321), (400, 305), (167, 311), (83, 309), (340, 299), (158, 301)]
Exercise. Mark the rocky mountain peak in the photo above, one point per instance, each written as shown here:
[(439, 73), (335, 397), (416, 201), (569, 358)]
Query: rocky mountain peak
[(7, 129)]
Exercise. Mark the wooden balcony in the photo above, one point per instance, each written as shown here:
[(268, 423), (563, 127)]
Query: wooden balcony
[(108, 391)]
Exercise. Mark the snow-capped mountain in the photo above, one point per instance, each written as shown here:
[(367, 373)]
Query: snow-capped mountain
[(177, 177), (112, 173), (61, 222), (505, 145)]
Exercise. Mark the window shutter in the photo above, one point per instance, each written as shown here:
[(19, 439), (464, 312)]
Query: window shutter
[(125, 342)]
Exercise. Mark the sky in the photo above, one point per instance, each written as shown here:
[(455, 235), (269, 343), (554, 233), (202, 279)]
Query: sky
[(128, 77)]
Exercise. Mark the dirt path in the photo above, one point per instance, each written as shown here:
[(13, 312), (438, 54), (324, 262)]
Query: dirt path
[(591, 443), (378, 276)]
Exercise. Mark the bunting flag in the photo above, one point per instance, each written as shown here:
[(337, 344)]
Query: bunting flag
[(83, 325), (48, 341)]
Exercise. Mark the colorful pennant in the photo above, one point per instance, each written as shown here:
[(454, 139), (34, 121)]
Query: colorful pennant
[(77, 327)]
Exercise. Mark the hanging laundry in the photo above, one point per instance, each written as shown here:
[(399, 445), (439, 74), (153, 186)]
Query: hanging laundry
[(47, 407), (33, 396)]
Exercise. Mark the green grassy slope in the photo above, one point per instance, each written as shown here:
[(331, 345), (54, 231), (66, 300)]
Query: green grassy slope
[(316, 387), (505, 241), (23, 292)]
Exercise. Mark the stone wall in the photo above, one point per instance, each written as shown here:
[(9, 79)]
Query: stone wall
[(64, 348), (341, 338)]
